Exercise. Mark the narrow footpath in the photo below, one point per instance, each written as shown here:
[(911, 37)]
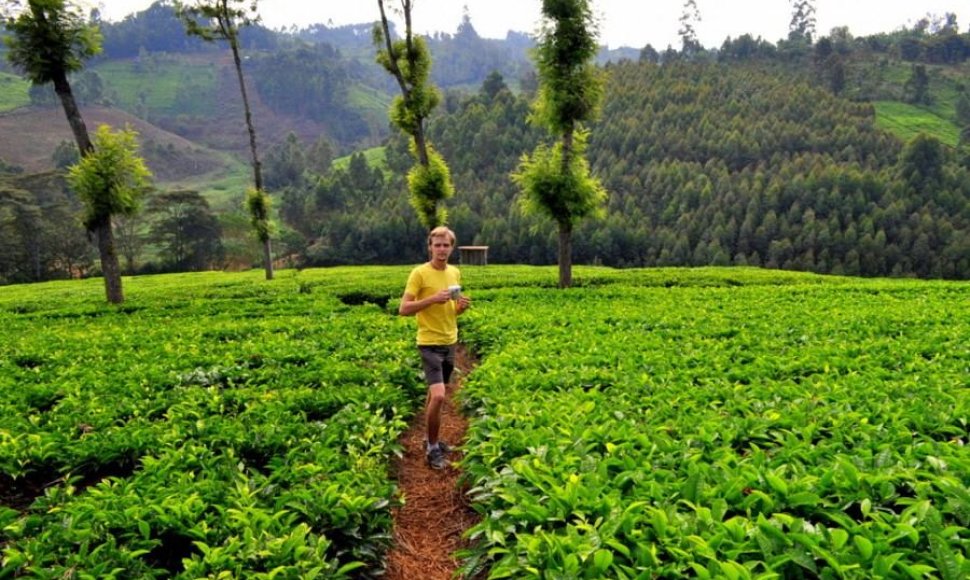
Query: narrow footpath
[(428, 528)]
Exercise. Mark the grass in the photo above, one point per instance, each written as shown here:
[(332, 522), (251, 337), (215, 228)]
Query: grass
[(13, 92), (907, 121), (223, 187), (369, 99), (375, 156), (160, 84)]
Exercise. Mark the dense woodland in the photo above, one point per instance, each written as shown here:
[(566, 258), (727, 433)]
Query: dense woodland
[(705, 164), (757, 153)]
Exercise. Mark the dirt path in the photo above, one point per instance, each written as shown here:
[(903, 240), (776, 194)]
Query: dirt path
[(428, 527)]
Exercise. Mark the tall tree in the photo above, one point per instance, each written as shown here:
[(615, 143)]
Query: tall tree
[(690, 17), (802, 26), (187, 230), (48, 40), (110, 180), (556, 180), (213, 20), (409, 62), (917, 87), (285, 163)]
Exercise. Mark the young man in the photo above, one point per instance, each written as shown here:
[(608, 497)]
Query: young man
[(427, 295)]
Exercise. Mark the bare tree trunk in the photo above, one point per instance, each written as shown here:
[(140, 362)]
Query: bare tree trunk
[(257, 171), (109, 261), (63, 89), (565, 226), (268, 258), (565, 255), (567, 150)]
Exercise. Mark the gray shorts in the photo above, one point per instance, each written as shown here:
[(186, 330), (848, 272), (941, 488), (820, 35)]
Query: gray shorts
[(438, 361)]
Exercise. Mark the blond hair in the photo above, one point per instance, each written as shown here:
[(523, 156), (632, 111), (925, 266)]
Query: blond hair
[(441, 231)]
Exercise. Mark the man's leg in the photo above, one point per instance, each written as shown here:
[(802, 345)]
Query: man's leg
[(436, 398)]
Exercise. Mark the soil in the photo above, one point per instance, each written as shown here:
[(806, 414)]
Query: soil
[(428, 528)]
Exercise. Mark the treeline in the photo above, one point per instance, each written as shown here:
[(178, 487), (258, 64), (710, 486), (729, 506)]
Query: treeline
[(936, 41), (157, 29), (706, 164), (43, 237)]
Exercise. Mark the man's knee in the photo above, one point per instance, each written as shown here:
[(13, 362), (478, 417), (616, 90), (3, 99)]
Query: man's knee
[(436, 392)]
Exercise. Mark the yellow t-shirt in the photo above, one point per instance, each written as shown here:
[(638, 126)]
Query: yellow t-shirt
[(438, 323)]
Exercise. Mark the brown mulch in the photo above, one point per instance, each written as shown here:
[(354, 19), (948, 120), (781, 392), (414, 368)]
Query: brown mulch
[(428, 527)]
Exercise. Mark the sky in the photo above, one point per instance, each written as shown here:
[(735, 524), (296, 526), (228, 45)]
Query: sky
[(632, 23)]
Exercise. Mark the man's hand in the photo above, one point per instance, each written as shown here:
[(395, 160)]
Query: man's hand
[(409, 306), (463, 304), (441, 297)]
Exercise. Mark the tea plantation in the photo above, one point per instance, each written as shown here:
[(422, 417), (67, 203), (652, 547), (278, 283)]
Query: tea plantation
[(647, 423)]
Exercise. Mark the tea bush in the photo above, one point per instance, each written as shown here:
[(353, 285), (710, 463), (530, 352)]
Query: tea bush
[(721, 423)]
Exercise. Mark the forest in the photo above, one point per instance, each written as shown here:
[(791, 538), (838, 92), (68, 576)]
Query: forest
[(757, 153)]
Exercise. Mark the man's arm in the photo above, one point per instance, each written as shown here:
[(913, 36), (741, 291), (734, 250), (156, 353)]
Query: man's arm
[(409, 306)]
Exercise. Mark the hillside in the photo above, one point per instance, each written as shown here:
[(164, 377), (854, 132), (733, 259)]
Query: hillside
[(846, 155), (705, 163), (169, 156)]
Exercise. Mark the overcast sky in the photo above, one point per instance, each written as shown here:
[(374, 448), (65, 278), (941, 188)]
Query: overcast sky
[(622, 22)]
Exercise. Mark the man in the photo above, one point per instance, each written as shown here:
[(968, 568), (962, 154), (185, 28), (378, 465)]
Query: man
[(427, 295)]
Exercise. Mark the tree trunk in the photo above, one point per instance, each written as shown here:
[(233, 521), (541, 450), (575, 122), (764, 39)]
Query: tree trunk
[(565, 227), (268, 258), (257, 171), (63, 89), (102, 228), (109, 261), (567, 150), (565, 255)]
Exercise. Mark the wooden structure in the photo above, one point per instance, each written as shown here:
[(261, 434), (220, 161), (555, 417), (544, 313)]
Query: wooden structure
[(473, 255)]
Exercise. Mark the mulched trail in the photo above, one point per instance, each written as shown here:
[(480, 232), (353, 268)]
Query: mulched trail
[(429, 526)]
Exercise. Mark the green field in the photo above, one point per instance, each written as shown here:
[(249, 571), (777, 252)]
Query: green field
[(375, 156), (369, 100), (907, 121), (162, 84), (225, 188), (660, 423), (13, 92)]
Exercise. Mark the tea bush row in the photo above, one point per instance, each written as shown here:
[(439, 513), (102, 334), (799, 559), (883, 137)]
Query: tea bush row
[(677, 424), (215, 425)]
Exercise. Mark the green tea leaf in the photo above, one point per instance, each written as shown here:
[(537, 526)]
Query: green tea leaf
[(864, 546)]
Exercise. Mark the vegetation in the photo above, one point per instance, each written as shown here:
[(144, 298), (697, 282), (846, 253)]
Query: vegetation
[(556, 180), (13, 92), (157, 86), (409, 62), (48, 40), (678, 176), (43, 234), (720, 423), (908, 121), (703, 422), (233, 428), (706, 164), (110, 181), (213, 20)]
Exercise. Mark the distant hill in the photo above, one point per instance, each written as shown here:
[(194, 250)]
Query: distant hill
[(32, 133), (706, 163), (843, 155)]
